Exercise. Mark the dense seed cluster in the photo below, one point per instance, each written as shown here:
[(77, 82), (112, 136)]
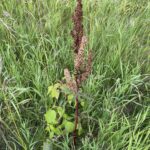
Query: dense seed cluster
[(82, 68), (77, 32), (71, 83)]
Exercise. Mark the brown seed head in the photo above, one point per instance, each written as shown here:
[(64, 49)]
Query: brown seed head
[(88, 68), (79, 58), (77, 32)]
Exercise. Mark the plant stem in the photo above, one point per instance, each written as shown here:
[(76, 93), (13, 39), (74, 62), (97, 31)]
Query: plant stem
[(76, 120)]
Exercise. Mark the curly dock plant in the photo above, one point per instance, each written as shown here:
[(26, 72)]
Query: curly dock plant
[(82, 69), (60, 117)]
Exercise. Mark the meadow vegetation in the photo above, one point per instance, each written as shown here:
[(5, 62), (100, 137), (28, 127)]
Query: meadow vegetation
[(36, 47)]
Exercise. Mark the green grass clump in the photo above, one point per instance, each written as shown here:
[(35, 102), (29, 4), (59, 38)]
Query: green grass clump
[(35, 47)]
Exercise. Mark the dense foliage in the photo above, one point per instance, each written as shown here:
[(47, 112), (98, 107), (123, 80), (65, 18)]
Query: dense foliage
[(35, 47)]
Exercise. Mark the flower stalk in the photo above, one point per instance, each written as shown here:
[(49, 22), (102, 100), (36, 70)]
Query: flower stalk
[(82, 69)]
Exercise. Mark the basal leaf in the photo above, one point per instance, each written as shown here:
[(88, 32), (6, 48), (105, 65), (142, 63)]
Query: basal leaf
[(55, 93), (60, 111), (56, 130), (70, 98), (50, 89), (69, 126), (50, 116)]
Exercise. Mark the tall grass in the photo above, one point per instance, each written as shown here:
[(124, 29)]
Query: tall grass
[(35, 46)]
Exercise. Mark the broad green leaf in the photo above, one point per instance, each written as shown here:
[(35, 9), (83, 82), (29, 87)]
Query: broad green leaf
[(65, 116), (55, 93), (50, 116), (60, 111), (56, 130), (50, 89), (69, 126), (70, 98)]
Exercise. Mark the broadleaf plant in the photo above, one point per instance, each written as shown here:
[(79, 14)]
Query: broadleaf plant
[(61, 118)]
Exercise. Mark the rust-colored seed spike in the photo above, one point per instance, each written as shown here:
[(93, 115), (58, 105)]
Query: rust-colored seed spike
[(77, 32), (88, 68), (81, 71), (79, 58)]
